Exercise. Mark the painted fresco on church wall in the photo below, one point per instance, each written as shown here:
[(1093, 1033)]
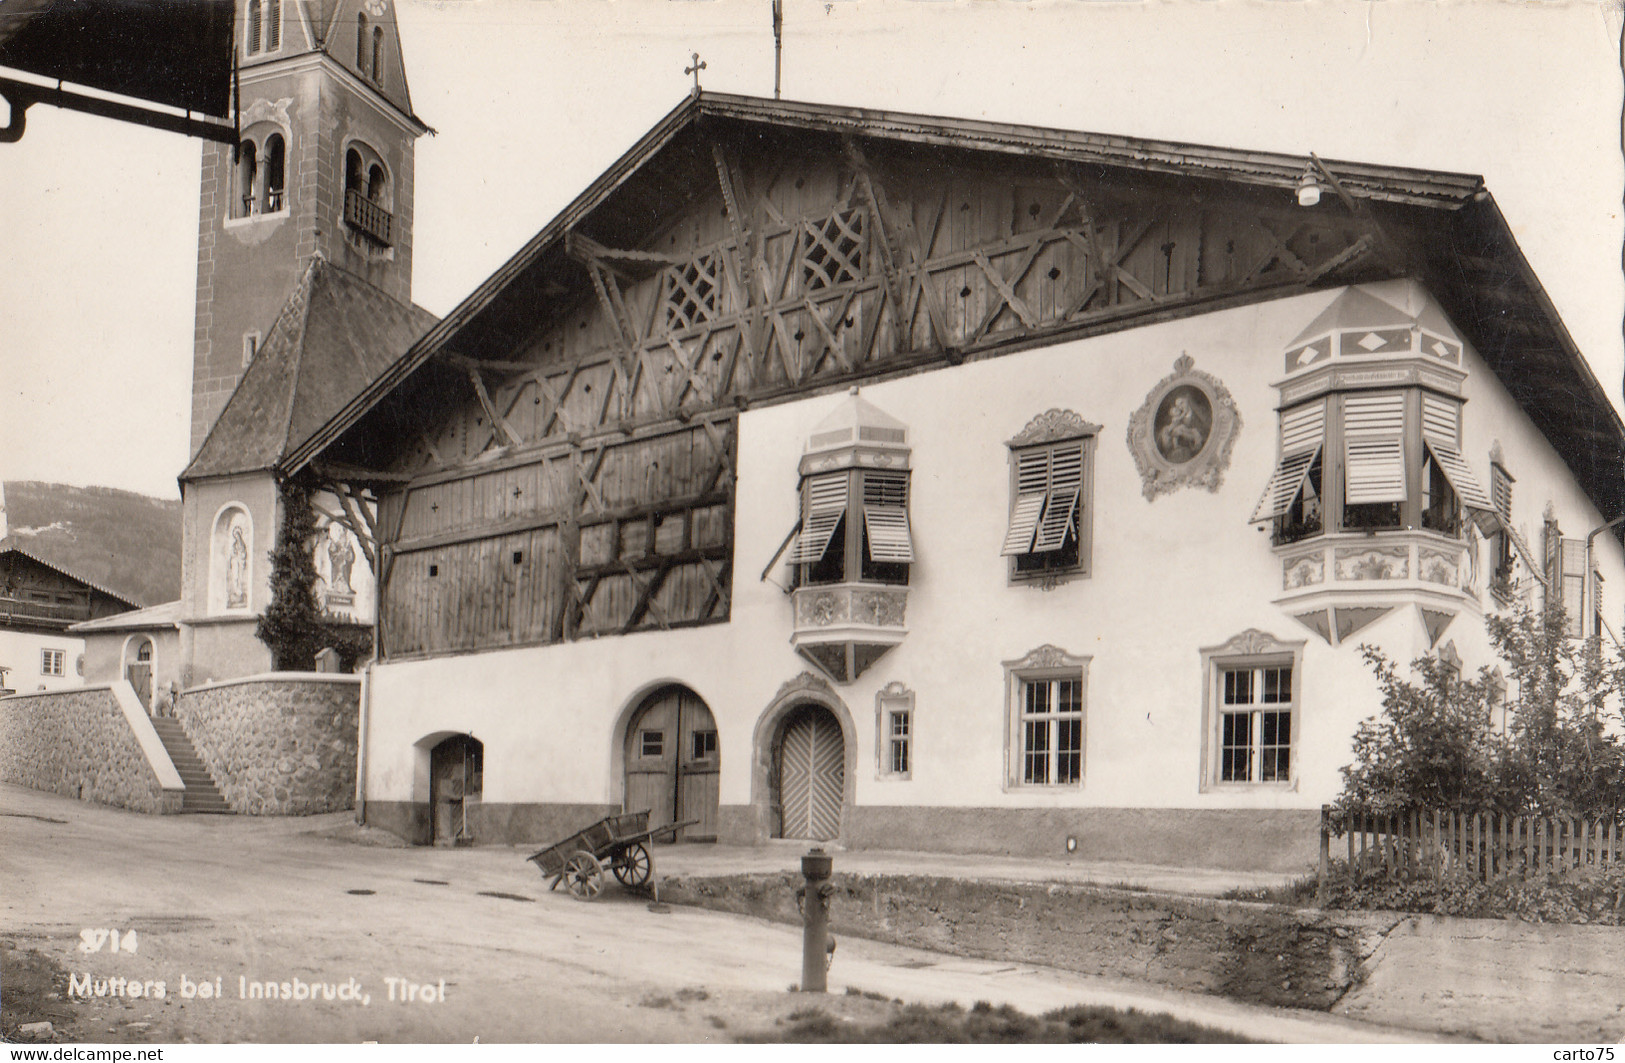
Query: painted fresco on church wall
[(344, 580)]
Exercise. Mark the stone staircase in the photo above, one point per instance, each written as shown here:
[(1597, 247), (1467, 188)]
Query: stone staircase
[(201, 794)]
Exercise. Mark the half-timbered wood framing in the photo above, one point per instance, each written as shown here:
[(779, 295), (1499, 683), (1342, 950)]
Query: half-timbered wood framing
[(555, 460)]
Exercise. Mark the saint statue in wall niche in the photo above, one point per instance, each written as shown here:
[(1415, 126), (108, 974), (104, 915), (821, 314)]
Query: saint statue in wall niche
[(237, 570), (1183, 422)]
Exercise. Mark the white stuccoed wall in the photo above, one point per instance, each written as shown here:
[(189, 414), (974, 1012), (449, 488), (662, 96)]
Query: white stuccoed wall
[(1170, 576)]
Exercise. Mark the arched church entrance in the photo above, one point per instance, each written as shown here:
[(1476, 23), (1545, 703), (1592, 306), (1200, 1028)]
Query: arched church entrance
[(456, 777), (672, 767), (809, 768)]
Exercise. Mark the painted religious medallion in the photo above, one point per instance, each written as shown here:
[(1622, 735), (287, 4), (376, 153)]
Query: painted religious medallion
[(1181, 435)]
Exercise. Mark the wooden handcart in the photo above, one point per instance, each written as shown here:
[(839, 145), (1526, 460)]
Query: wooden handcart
[(619, 843)]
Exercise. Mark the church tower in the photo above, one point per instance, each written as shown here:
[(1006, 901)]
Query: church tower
[(324, 169), (303, 299)]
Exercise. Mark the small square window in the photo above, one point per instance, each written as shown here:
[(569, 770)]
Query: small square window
[(704, 745), (894, 731), (52, 662), (897, 743), (652, 743)]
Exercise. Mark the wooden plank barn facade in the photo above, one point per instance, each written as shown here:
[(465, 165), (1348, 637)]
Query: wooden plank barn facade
[(833, 474)]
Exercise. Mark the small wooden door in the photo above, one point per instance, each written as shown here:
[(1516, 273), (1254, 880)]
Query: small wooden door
[(456, 775), (812, 774), (139, 673), (672, 766)]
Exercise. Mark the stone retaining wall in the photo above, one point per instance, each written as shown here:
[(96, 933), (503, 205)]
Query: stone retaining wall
[(78, 743), (277, 745), (1249, 951)]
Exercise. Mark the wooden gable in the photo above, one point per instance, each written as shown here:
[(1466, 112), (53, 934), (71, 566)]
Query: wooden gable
[(36, 595), (556, 458)]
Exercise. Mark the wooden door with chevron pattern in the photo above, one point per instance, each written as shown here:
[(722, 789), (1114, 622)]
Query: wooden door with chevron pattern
[(812, 775)]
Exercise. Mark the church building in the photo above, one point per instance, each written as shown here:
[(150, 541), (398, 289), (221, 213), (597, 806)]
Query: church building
[(303, 299), (887, 480)]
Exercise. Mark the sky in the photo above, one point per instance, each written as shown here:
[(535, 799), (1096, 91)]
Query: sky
[(532, 99)]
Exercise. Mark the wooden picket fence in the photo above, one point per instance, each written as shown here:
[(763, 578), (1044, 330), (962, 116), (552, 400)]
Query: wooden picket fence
[(1485, 845)]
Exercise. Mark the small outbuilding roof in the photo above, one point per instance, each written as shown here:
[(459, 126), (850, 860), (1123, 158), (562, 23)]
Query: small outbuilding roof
[(153, 616)]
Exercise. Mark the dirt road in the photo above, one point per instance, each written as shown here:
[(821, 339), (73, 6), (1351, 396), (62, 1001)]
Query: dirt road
[(471, 936)]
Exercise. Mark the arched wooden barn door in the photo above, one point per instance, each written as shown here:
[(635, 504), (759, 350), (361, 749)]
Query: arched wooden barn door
[(672, 764), (811, 773)]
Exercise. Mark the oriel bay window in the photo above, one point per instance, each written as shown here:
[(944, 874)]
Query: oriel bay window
[(852, 549), (1372, 460), (854, 527)]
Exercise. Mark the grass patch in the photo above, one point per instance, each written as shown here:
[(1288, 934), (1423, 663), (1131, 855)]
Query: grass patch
[(986, 1024), (1297, 893), (1594, 895)]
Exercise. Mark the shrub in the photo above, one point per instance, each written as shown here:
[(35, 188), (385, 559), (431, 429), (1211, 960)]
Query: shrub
[(1434, 748), (293, 626)]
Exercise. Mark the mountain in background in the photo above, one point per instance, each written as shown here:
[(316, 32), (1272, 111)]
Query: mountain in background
[(120, 540)]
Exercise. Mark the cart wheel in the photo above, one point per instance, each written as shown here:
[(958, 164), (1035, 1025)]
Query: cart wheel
[(584, 875), (633, 870)]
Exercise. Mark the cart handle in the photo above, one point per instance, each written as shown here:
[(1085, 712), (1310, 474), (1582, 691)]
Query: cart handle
[(670, 828)]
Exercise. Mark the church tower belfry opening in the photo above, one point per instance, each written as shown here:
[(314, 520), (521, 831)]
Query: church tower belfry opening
[(324, 169)]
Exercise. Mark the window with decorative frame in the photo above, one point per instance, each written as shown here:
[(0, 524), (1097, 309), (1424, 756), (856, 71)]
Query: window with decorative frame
[(1251, 711), (1051, 481), (894, 731), (1046, 697)]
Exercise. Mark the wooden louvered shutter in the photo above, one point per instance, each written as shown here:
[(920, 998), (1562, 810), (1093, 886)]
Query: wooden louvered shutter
[(885, 516), (1571, 584), (823, 506), (1065, 485), (1303, 433), (1440, 433), (1501, 492), (1374, 449), (1032, 488)]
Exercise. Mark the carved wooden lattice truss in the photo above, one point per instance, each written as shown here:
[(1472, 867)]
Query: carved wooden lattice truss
[(834, 250), (610, 410), (692, 292), (814, 273)]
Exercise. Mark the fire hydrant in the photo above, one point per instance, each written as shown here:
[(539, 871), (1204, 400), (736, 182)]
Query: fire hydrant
[(817, 943)]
